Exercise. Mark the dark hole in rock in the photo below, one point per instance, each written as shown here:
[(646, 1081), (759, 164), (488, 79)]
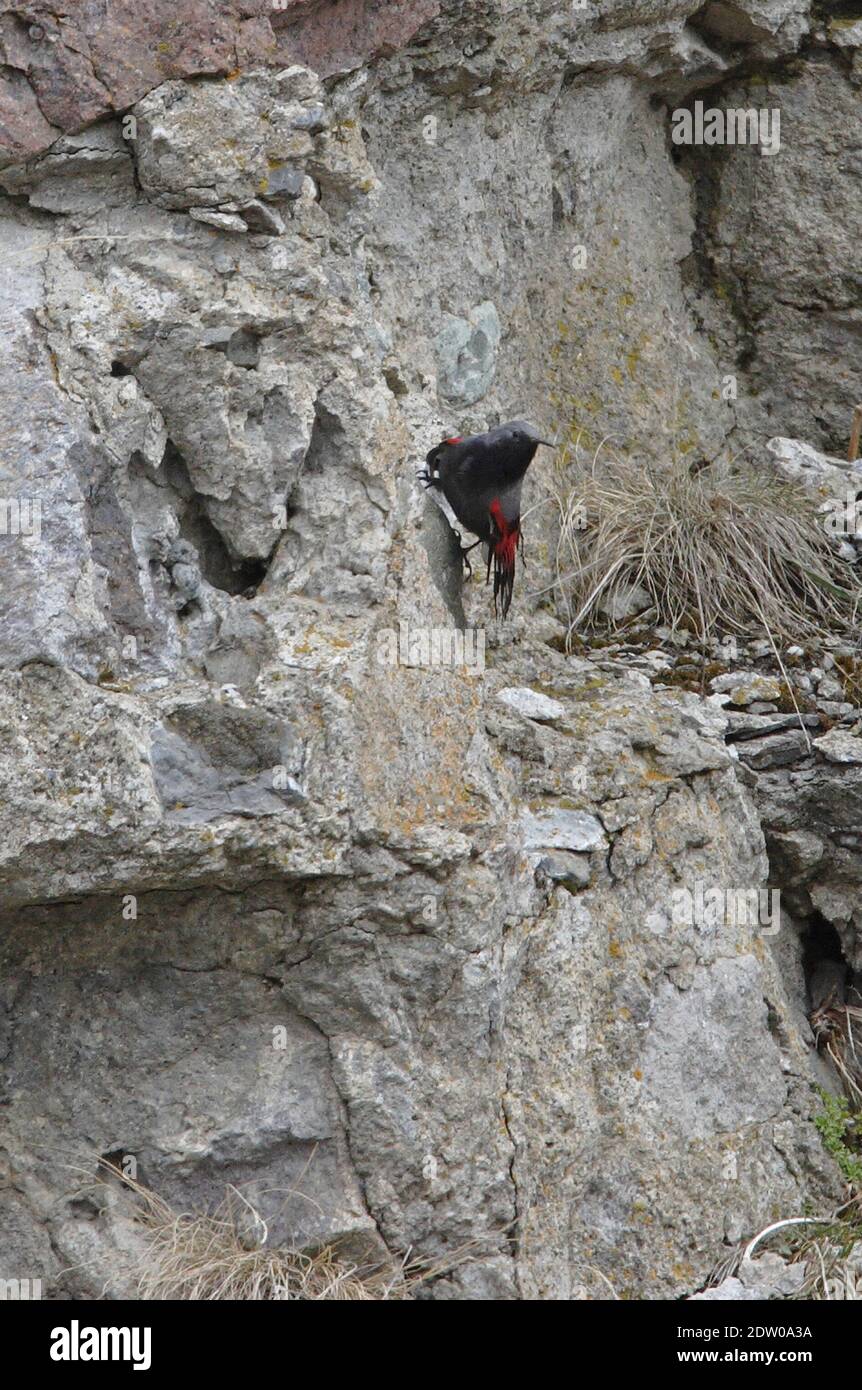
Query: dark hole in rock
[(823, 962), (745, 356), (327, 435), (216, 564), (118, 1165), (120, 369)]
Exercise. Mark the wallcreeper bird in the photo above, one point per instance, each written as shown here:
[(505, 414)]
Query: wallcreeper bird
[(481, 479)]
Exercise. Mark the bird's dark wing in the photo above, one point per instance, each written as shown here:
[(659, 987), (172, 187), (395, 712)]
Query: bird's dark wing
[(435, 460), (469, 463)]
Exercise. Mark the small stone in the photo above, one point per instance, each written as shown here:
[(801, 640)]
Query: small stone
[(530, 703), (312, 119), (259, 218), (752, 725), (300, 83), (772, 1276), (746, 686), (776, 750), (846, 33), (734, 1228), (839, 746), (285, 181), (224, 221), (558, 828), (659, 661), (729, 1291), (571, 870), (830, 689)]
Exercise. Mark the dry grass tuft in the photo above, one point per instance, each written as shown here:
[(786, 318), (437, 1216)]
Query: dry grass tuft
[(223, 1255), (204, 1257), (732, 549), (833, 1026)]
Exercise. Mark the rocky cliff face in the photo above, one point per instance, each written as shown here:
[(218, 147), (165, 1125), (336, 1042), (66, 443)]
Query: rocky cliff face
[(393, 946)]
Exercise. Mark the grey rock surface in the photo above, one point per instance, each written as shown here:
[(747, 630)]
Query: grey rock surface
[(785, 246), (390, 945)]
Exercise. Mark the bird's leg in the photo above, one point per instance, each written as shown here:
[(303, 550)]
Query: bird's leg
[(426, 478), (465, 551), (461, 549)]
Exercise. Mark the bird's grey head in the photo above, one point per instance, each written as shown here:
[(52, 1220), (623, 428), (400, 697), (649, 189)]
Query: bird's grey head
[(524, 432)]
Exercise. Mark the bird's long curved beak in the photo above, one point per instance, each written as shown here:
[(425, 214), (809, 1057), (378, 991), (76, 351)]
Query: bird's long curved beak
[(548, 442)]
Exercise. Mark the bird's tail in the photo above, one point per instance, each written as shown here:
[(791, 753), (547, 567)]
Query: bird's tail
[(501, 552)]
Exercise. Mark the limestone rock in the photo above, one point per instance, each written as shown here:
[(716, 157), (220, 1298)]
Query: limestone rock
[(532, 703), (386, 939), (840, 746), (570, 830), (746, 687)]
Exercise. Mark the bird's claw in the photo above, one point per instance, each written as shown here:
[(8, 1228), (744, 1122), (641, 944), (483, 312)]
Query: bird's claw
[(465, 551)]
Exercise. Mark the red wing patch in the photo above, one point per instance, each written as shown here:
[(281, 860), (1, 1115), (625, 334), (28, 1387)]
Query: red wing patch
[(504, 546), (453, 439)]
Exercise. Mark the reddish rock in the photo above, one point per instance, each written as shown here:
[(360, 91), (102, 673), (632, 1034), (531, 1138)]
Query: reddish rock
[(23, 128), (66, 64), (335, 35)]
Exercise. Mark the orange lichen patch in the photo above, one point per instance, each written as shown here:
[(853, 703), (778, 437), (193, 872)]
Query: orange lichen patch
[(650, 774)]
